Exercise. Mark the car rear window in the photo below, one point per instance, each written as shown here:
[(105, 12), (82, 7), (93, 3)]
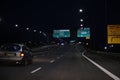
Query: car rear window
[(11, 47)]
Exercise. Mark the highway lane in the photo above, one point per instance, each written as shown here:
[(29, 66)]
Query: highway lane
[(61, 63)]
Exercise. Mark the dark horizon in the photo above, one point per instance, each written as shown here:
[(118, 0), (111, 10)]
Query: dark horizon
[(49, 15)]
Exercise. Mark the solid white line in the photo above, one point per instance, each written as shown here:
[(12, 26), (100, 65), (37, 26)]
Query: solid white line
[(36, 70), (101, 68)]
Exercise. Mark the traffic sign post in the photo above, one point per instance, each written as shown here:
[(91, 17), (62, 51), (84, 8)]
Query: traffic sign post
[(113, 34)]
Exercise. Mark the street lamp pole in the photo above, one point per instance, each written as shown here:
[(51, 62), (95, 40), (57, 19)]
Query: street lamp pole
[(44, 34)]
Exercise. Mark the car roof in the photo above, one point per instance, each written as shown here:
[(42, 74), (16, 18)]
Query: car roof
[(14, 44)]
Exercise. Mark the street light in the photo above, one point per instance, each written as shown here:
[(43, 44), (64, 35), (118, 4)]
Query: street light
[(80, 10), (27, 29), (40, 32), (35, 30), (16, 25), (81, 25), (81, 20), (44, 34)]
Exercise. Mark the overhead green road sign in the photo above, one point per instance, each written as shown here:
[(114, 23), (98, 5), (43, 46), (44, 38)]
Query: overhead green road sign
[(61, 33), (83, 32)]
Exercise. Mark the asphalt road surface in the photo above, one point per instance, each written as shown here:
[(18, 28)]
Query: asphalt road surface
[(68, 62)]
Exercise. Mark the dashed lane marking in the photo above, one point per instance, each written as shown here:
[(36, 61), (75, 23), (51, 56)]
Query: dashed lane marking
[(36, 70), (52, 61), (58, 57)]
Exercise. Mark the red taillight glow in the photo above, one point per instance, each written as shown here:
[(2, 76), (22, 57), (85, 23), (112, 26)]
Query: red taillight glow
[(22, 54)]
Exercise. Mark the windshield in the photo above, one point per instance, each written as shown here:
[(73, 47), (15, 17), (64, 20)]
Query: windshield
[(10, 47)]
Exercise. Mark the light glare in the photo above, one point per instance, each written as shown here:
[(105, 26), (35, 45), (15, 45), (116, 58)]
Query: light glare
[(80, 10)]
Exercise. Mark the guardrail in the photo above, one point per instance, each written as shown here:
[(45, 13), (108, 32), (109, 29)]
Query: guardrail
[(42, 47), (106, 54)]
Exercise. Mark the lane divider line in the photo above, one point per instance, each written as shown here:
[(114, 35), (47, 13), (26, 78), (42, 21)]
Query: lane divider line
[(58, 57), (101, 68), (36, 70), (52, 61)]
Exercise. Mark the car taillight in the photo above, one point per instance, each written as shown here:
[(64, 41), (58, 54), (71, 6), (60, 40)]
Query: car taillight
[(22, 54)]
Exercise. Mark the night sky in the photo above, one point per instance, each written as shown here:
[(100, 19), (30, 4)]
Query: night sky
[(51, 12), (47, 15)]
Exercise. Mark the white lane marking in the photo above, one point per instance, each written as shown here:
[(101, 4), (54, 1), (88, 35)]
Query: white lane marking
[(101, 68), (36, 70), (52, 61)]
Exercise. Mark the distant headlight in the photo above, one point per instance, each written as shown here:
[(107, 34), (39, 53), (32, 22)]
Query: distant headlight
[(62, 44)]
